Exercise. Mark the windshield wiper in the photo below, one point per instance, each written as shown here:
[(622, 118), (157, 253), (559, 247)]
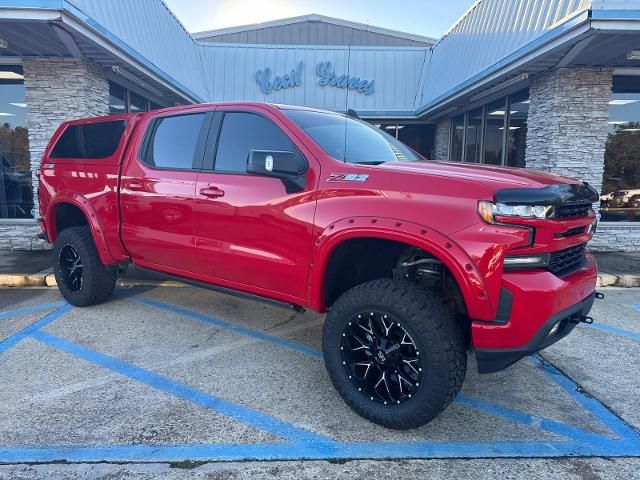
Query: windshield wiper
[(374, 162)]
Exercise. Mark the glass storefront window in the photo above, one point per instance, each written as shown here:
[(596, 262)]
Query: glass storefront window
[(117, 99), (137, 103), (16, 194), (420, 137), (122, 100), (457, 138), (620, 198), (517, 132), (474, 137), (494, 132)]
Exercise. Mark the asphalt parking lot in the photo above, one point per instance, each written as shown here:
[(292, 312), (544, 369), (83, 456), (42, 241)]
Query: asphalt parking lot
[(167, 377)]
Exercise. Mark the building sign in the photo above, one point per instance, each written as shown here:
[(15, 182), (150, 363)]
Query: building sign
[(328, 77), (288, 80)]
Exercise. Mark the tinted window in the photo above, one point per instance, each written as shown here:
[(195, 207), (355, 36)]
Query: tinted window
[(16, 194), (91, 140), (517, 132), (494, 132), (137, 103), (457, 138), (117, 99), (175, 142), (350, 140), (243, 132)]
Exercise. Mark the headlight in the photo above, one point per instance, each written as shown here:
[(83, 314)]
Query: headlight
[(526, 261), (488, 211)]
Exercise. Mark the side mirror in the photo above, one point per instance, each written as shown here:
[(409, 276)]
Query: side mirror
[(274, 163)]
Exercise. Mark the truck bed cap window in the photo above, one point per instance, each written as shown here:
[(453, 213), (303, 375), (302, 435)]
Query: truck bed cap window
[(89, 140)]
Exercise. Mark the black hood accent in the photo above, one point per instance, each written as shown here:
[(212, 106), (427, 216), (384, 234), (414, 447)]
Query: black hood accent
[(560, 194)]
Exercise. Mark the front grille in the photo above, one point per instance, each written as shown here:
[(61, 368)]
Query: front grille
[(572, 210), (572, 232), (566, 261)]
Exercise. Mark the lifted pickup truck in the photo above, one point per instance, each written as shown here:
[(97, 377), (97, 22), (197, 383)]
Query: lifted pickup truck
[(416, 262)]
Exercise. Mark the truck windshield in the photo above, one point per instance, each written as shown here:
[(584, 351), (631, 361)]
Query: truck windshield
[(350, 140)]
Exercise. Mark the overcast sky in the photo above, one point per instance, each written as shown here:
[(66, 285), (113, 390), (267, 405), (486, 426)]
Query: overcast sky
[(425, 17)]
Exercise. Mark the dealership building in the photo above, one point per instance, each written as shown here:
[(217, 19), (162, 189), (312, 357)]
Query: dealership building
[(546, 84)]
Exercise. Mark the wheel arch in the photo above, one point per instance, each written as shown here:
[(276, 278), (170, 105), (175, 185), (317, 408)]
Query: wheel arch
[(79, 202), (457, 261)]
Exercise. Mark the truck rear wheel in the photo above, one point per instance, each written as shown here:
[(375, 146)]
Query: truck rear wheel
[(81, 277), (394, 352)]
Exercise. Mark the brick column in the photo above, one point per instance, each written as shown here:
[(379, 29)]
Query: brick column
[(567, 125), (443, 130), (56, 90)]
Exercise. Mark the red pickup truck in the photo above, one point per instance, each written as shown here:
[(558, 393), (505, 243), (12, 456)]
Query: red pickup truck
[(416, 262)]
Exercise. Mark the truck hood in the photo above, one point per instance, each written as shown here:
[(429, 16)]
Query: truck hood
[(492, 177)]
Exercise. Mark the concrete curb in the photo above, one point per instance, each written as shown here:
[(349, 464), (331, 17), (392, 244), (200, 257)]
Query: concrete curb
[(47, 279)]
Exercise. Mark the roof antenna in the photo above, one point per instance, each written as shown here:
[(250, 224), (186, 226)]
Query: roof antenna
[(352, 113)]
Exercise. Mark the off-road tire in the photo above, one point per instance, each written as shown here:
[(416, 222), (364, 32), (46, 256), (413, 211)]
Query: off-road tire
[(433, 327), (98, 280)]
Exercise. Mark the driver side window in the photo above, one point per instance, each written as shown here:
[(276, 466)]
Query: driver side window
[(242, 132)]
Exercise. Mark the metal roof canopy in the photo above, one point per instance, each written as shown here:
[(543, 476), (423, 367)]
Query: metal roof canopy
[(58, 29), (586, 36), (54, 39), (420, 40), (593, 38)]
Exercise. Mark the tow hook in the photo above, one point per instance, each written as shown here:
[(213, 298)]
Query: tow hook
[(585, 319), (599, 295)]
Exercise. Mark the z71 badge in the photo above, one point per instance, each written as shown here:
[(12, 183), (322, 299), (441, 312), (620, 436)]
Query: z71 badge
[(348, 177)]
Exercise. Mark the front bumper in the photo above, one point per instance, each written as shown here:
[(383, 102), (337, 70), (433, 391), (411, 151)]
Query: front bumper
[(539, 300), (495, 360)]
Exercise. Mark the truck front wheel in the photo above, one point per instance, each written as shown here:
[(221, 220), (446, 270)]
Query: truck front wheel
[(81, 277), (394, 352)]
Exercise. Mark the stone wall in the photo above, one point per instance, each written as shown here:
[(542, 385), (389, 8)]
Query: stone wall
[(567, 133), (567, 125), (442, 140), (21, 237), (56, 90), (616, 238)]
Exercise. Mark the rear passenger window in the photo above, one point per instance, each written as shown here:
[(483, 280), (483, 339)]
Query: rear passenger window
[(175, 142), (242, 132), (89, 140)]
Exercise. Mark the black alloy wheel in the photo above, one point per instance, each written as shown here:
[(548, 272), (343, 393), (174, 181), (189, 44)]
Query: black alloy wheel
[(71, 268), (395, 352), (81, 277), (381, 358)]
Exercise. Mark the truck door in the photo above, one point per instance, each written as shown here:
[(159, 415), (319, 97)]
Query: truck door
[(254, 232), (157, 191)]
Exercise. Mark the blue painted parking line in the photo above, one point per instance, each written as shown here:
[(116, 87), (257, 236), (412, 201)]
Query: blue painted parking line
[(614, 330), (231, 327), (591, 404), (309, 445), (35, 308), (488, 407), (347, 451), (242, 414), (529, 420), (33, 328)]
